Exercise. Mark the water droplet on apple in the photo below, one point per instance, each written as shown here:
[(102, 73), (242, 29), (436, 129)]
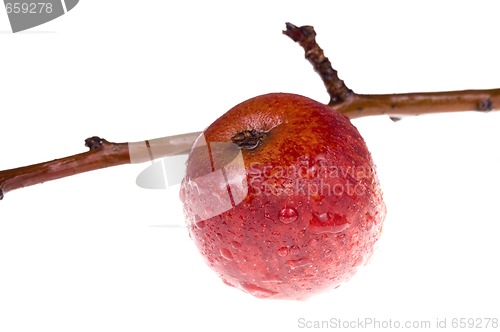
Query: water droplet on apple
[(283, 251), (358, 262), (296, 263), (209, 212), (288, 215), (312, 242), (294, 250), (268, 216), (327, 222), (327, 253), (236, 244), (257, 291), (322, 217), (226, 254), (227, 282), (200, 224), (355, 237), (301, 233)]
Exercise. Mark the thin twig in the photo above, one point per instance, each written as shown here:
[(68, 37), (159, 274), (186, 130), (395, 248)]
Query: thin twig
[(354, 105), (101, 154), (306, 37)]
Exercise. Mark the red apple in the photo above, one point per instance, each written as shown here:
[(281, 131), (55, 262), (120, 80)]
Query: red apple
[(281, 197)]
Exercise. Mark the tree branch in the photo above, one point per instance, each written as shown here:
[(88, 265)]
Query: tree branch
[(103, 154), (396, 105), (306, 37), (354, 105)]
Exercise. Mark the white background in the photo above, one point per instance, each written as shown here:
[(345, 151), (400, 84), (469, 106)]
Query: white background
[(91, 253)]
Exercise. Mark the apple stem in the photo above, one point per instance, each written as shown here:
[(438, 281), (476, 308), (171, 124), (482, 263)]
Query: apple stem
[(248, 139)]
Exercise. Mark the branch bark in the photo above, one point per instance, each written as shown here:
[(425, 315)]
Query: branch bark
[(101, 154), (354, 105), (306, 37), (398, 105), (104, 154)]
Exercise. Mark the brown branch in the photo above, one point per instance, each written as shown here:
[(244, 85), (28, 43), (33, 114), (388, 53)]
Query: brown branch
[(306, 37), (354, 105), (106, 154), (101, 154), (397, 105)]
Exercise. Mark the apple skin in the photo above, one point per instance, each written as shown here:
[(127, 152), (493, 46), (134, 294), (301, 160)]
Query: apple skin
[(293, 216)]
